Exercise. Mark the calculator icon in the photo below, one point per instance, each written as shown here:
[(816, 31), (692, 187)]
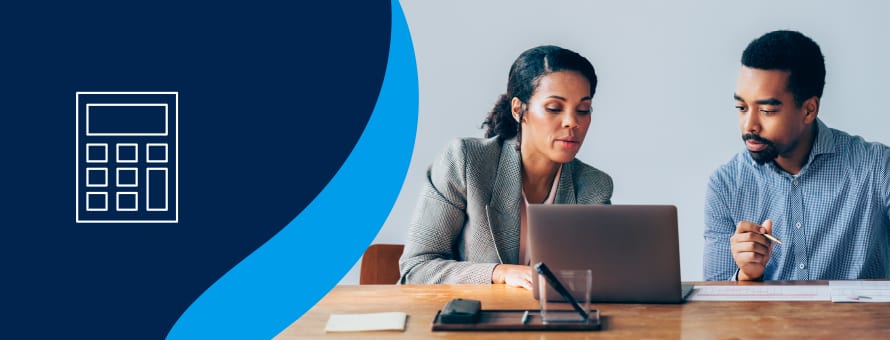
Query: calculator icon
[(127, 157)]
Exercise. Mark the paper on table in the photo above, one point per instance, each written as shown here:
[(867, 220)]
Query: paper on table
[(761, 293), (860, 291), (366, 322)]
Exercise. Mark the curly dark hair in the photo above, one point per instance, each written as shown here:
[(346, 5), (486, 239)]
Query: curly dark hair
[(524, 78), (794, 53)]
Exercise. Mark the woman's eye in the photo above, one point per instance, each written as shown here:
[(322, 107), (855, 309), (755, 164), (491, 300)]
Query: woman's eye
[(553, 109)]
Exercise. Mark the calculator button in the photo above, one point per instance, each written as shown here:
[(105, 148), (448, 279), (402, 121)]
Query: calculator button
[(127, 201), (156, 189), (156, 152), (127, 153), (97, 153), (97, 177), (97, 201), (127, 177)]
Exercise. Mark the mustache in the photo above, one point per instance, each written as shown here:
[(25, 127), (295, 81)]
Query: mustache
[(750, 136)]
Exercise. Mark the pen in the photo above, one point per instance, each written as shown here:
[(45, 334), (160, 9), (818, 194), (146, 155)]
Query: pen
[(524, 317), (772, 238), (543, 270), (859, 297)]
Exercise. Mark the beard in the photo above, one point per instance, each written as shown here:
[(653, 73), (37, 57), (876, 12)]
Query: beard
[(768, 154)]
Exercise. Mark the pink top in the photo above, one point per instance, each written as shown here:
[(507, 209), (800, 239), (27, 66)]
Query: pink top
[(524, 257)]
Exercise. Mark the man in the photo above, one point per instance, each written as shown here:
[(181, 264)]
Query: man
[(824, 194)]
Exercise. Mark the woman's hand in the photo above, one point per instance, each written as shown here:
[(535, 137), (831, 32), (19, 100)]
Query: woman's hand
[(513, 275)]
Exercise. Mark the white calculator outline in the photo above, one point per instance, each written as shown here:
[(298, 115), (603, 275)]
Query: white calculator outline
[(175, 156)]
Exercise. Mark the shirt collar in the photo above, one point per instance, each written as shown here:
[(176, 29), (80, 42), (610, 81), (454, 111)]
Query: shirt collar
[(824, 141)]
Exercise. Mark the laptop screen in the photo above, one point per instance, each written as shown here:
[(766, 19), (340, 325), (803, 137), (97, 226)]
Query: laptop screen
[(633, 250)]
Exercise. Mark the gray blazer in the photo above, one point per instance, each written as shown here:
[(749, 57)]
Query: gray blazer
[(467, 218)]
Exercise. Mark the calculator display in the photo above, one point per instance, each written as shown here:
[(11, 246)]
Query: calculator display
[(126, 119)]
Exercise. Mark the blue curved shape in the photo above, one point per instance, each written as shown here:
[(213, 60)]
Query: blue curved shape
[(281, 280)]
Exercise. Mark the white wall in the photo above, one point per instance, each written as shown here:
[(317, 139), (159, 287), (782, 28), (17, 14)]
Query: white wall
[(663, 114)]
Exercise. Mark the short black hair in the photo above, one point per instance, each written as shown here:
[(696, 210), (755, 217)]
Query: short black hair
[(795, 53)]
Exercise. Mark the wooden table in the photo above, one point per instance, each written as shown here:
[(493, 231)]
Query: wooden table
[(694, 320)]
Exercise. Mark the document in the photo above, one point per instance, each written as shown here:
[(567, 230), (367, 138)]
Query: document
[(860, 291), (392, 321), (761, 293)]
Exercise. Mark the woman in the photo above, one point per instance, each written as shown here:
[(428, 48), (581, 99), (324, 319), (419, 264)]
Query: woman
[(469, 224)]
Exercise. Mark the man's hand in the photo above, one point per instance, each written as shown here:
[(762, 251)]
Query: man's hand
[(750, 249)]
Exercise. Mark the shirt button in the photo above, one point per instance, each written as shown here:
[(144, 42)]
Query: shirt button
[(794, 181), (797, 225), (802, 266)]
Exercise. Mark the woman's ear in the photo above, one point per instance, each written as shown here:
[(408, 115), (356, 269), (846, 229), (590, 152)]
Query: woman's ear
[(516, 108)]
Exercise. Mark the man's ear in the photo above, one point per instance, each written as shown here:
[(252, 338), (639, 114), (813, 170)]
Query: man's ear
[(516, 108), (810, 109)]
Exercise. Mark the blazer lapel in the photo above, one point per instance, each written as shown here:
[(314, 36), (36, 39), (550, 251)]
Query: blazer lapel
[(503, 208), (565, 190)]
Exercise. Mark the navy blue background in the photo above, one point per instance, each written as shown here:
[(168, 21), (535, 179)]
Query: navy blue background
[(271, 100)]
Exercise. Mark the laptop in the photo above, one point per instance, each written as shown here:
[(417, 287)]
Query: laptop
[(633, 250)]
